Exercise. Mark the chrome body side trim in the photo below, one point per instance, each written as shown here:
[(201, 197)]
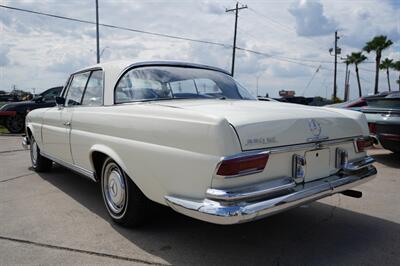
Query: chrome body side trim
[(238, 206), (311, 146), (87, 173)]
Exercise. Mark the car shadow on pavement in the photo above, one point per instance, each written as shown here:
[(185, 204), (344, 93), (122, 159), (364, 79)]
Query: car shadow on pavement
[(316, 234), (388, 159)]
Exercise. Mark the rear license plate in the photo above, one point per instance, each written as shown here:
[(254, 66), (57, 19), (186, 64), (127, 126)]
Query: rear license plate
[(317, 164)]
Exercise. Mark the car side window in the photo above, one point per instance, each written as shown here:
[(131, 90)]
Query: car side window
[(76, 88), (51, 95), (93, 95)]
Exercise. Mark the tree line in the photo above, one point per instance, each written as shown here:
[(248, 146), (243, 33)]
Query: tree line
[(376, 45)]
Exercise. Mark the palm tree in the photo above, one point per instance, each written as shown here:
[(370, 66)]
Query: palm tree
[(347, 61), (357, 58), (396, 66), (386, 64), (377, 44)]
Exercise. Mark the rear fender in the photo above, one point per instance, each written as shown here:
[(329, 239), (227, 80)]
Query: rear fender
[(149, 193)]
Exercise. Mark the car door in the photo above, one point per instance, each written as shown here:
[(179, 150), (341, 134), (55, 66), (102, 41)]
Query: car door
[(84, 128), (57, 121)]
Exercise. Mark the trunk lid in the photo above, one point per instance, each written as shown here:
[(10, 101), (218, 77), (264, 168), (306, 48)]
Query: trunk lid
[(268, 124)]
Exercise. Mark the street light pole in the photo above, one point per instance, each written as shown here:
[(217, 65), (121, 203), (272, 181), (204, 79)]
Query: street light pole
[(97, 32)]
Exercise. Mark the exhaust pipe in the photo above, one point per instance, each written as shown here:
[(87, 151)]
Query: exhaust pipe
[(375, 140), (352, 193)]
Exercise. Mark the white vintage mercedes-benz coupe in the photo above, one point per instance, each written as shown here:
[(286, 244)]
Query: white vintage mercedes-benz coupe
[(190, 137)]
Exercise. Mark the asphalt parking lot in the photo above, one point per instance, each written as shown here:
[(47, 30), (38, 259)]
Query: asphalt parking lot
[(59, 218)]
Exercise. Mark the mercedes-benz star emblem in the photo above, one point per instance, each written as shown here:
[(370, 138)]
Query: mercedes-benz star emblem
[(315, 127)]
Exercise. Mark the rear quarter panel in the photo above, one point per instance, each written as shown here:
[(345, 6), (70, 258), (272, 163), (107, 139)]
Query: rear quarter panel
[(164, 150)]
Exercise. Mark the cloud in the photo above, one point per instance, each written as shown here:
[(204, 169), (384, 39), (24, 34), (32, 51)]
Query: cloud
[(288, 71), (4, 61), (213, 7), (41, 52), (311, 20)]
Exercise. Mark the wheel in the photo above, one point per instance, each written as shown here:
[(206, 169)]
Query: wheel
[(39, 163), (124, 201), (15, 124)]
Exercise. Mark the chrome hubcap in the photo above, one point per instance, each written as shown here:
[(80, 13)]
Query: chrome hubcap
[(114, 188), (34, 151)]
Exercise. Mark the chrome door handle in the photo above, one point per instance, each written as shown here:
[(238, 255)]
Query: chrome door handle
[(67, 124)]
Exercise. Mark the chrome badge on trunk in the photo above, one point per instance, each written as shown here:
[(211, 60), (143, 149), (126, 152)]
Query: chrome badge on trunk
[(315, 129)]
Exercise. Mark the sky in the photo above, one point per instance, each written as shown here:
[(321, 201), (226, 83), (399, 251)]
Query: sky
[(293, 38)]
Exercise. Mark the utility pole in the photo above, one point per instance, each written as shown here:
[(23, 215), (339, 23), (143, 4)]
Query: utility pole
[(334, 78), (236, 10), (337, 51), (97, 32)]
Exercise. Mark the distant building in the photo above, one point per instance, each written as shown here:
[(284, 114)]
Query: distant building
[(285, 93)]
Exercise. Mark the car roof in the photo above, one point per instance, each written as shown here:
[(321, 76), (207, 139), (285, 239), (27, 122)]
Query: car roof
[(114, 69), (122, 65)]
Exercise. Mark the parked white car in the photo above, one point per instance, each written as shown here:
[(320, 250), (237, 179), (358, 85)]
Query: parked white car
[(190, 137)]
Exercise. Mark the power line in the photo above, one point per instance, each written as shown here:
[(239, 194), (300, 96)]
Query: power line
[(275, 57), (285, 27), (117, 27), (298, 61), (312, 78), (293, 30), (246, 32)]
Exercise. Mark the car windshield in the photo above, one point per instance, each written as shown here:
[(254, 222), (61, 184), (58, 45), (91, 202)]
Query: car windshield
[(165, 83)]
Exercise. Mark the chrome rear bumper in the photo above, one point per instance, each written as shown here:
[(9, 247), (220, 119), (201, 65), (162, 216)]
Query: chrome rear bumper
[(251, 203), (25, 142)]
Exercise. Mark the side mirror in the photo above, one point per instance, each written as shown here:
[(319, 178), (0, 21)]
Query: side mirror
[(60, 101), (38, 99)]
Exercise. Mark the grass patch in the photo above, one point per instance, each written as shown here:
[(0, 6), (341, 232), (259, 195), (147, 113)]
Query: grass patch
[(3, 130)]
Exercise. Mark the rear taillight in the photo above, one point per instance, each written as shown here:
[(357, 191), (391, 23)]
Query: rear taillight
[(363, 144), (242, 165), (390, 137), (372, 128)]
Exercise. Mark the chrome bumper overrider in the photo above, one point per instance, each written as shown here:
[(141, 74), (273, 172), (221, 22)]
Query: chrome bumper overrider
[(251, 203), (25, 142)]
